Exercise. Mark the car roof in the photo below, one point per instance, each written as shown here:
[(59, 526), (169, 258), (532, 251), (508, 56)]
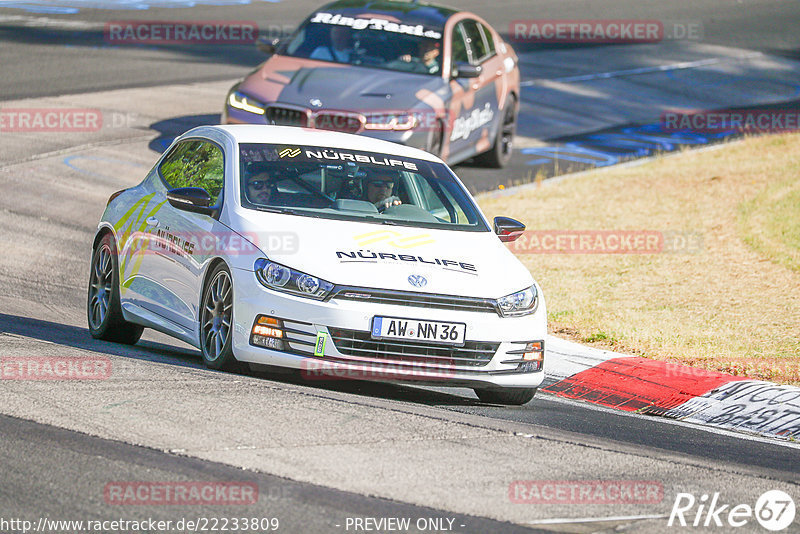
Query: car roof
[(291, 135), (414, 12)]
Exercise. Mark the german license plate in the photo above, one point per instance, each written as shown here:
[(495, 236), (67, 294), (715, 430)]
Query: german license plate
[(418, 330)]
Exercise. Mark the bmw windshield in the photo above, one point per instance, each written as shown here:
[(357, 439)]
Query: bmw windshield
[(371, 42), (345, 184)]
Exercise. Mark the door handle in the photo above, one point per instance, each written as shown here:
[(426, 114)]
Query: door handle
[(151, 221)]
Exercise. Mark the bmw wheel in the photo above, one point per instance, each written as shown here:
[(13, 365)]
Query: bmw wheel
[(500, 154), (216, 320), (103, 309), (508, 396)]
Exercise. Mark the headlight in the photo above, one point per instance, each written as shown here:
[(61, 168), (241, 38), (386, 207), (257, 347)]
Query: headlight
[(522, 302), (281, 278), (390, 121), (245, 103)]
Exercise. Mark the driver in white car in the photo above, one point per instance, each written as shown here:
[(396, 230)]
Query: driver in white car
[(379, 189), (261, 186)]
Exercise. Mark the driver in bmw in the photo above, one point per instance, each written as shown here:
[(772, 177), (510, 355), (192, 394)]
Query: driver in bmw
[(378, 189)]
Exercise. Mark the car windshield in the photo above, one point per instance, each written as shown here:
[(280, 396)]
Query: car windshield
[(372, 42), (345, 184)]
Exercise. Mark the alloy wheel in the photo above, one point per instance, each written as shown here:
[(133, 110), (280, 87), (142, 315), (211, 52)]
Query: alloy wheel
[(100, 286), (217, 313)]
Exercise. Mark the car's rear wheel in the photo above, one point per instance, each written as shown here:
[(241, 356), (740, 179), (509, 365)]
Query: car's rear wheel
[(216, 320), (103, 309), (508, 396), (436, 140), (500, 154)]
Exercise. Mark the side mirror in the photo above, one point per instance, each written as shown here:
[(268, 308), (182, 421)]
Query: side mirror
[(194, 199), (268, 46), (508, 229), (466, 70)]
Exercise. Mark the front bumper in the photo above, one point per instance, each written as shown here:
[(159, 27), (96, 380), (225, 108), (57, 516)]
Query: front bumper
[(491, 356)]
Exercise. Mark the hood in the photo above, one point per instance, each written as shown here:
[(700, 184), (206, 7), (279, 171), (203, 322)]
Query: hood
[(359, 254), (296, 81)]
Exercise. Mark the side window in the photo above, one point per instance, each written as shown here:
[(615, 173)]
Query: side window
[(459, 46), (474, 41), (195, 164), (487, 35), (439, 202)]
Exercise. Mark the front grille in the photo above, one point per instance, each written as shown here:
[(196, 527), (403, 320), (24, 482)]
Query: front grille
[(282, 116), (419, 300), (338, 122), (360, 344)]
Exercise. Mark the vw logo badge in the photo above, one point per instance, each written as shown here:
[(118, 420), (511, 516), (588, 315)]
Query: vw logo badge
[(417, 280), (316, 102)]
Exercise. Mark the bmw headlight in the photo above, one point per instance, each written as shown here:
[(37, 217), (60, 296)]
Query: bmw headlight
[(390, 121), (281, 278), (522, 302), (245, 103)]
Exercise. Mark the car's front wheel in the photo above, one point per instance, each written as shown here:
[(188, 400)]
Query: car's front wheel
[(436, 140), (103, 309), (508, 396), (216, 320)]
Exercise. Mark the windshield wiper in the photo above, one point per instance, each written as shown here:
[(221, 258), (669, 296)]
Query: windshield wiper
[(273, 209), (382, 221), (287, 211)]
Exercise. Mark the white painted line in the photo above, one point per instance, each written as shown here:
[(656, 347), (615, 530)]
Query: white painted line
[(641, 70), (46, 22), (567, 520)]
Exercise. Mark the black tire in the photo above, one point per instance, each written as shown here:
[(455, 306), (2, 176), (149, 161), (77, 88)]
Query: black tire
[(103, 310), (499, 155), (436, 140), (216, 321), (508, 396)]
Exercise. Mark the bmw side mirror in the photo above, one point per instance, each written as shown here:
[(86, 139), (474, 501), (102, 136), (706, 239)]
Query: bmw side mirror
[(268, 46), (194, 199), (508, 229), (466, 70)]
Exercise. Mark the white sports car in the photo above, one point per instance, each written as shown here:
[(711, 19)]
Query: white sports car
[(335, 254)]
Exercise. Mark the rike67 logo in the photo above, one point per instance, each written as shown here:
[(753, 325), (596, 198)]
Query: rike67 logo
[(774, 510)]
